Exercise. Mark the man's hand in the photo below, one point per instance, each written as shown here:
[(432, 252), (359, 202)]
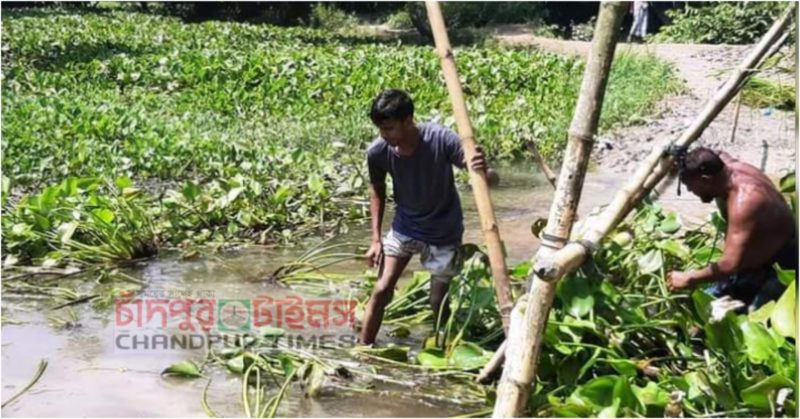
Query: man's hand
[(478, 161), (678, 280), (375, 253)]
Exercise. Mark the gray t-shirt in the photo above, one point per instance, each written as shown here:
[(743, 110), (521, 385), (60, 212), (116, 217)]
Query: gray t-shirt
[(427, 203)]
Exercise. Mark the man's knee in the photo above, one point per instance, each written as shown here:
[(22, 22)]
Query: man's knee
[(436, 299), (440, 284), (383, 291)]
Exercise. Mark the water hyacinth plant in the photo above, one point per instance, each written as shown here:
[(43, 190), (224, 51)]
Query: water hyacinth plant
[(617, 342), (255, 132)]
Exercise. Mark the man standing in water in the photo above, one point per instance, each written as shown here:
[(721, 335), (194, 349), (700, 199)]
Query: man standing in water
[(428, 219), (761, 229)]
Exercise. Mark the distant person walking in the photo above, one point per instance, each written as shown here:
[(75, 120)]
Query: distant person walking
[(639, 27)]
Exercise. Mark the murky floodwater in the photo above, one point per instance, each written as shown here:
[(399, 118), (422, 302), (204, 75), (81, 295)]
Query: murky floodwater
[(88, 375)]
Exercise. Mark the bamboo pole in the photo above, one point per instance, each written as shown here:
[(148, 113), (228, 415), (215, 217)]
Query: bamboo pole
[(480, 187), (659, 164), (546, 170), (488, 371), (736, 116), (529, 317)]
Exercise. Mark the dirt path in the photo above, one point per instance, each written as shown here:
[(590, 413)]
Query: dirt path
[(765, 138)]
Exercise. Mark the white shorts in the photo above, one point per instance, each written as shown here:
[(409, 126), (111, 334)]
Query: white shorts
[(440, 261)]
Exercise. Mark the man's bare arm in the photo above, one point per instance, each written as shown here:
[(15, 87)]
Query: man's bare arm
[(741, 225), (377, 203)]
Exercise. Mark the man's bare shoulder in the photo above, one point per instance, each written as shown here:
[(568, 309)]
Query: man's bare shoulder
[(749, 199), (727, 158), (753, 198)]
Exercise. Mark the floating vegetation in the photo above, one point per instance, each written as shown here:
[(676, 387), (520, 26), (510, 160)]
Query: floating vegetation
[(127, 133), (36, 376), (617, 343), (225, 131)]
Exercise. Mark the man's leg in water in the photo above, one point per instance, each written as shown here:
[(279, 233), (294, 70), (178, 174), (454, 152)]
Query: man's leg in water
[(440, 284), (381, 296), (443, 263)]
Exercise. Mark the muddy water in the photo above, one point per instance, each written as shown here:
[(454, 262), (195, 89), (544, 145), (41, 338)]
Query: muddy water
[(89, 375)]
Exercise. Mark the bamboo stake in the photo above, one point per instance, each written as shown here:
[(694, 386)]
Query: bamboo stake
[(736, 116), (480, 186), (548, 173), (487, 372), (659, 163), (529, 317)]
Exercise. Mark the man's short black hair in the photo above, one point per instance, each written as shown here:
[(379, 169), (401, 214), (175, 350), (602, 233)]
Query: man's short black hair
[(391, 104), (701, 161)]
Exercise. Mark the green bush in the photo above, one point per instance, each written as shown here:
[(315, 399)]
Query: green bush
[(584, 31), (720, 23), (543, 29), (400, 20), (328, 17), (459, 15)]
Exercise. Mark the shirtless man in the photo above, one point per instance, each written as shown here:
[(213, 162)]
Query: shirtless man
[(761, 229)]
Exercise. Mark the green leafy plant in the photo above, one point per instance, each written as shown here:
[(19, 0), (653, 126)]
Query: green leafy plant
[(720, 23), (234, 131), (75, 221), (400, 20), (328, 17)]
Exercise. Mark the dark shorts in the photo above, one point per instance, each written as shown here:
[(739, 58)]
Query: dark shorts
[(757, 287)]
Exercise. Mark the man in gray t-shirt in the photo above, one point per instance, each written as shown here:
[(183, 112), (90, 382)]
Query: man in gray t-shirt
[(428, 219)]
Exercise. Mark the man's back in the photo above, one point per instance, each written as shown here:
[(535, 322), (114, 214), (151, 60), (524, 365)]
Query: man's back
[(770, 223)]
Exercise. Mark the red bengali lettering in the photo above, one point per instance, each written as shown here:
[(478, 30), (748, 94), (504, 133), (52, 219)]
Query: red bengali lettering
[(262, 312), (123, 316), (182, 306), (294, 314), (157, 306), (207, 307), (318, 313), (346, 310)]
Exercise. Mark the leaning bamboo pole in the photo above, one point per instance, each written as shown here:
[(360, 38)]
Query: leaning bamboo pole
[(480, 187), (658, 164), (529, 317), (543, 166)]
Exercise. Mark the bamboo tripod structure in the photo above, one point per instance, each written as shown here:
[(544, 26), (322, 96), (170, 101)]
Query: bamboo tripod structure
[(530, 314), (659, 164), (529, 317), (480, 186)]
